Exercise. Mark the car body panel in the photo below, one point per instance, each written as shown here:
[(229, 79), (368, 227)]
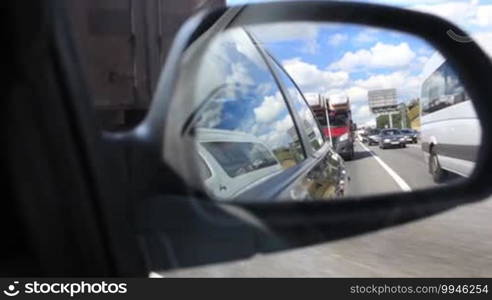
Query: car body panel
[(410, 135), (449, 123), (326, 179)]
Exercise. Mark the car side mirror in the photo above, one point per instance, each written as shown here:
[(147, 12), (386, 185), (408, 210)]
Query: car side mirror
[(237, 139)]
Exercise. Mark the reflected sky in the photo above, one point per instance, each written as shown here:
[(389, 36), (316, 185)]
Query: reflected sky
[(242, 94), (343, 59)]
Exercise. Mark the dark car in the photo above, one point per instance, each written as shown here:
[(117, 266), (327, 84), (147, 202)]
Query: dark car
[(232, 128), (389, 138), (411, 135), (372, 137)]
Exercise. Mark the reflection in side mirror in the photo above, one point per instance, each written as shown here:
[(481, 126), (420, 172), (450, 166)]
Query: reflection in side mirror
[(289, 111)]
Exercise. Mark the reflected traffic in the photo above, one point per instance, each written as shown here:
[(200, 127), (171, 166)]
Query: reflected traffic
[(268, 125)]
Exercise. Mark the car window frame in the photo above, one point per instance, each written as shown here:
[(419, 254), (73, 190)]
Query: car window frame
[(305, 139), (288, 177), (307, 149)]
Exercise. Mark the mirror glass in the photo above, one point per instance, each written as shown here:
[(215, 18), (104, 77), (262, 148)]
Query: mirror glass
[(320, 111)]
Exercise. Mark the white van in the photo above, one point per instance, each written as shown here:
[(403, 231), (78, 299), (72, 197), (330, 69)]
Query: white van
[(450, 129), (233, 161)]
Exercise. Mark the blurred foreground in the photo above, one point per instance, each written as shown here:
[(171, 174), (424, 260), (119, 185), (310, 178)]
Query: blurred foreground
[(457, 243)]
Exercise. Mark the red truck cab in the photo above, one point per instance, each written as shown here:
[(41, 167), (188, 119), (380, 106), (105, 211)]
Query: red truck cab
[(335, 118)]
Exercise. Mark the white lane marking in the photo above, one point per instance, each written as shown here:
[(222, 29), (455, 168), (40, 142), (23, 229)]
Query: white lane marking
[(414, 145), (401, 183)]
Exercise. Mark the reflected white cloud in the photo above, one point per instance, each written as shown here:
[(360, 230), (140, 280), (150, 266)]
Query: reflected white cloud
[(269, 108), (362, 113), (366, 36), (277, 137), (380, 55), (239, 73), (337, 39), (361, 59), (309, 76)]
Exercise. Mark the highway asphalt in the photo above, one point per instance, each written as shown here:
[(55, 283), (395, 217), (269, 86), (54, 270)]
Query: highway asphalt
[(456, 243), (369, 176)]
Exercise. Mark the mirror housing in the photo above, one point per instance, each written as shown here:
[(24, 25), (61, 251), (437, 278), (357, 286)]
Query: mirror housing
[(267, 227)]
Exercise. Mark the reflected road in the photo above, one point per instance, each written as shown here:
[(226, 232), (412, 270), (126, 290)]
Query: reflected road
[(452, 244), (368, 176)]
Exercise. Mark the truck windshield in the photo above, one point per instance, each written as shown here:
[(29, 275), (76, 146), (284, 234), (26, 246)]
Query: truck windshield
[(339, 119)]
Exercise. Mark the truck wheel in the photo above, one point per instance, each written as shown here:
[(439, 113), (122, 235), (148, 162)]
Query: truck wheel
[(350, 156), (438, 174)]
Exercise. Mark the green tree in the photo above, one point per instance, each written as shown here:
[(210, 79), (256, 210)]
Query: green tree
[(383, 121)]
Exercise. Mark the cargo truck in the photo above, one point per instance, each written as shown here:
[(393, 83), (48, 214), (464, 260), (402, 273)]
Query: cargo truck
[(123, 45), (335, 118)]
